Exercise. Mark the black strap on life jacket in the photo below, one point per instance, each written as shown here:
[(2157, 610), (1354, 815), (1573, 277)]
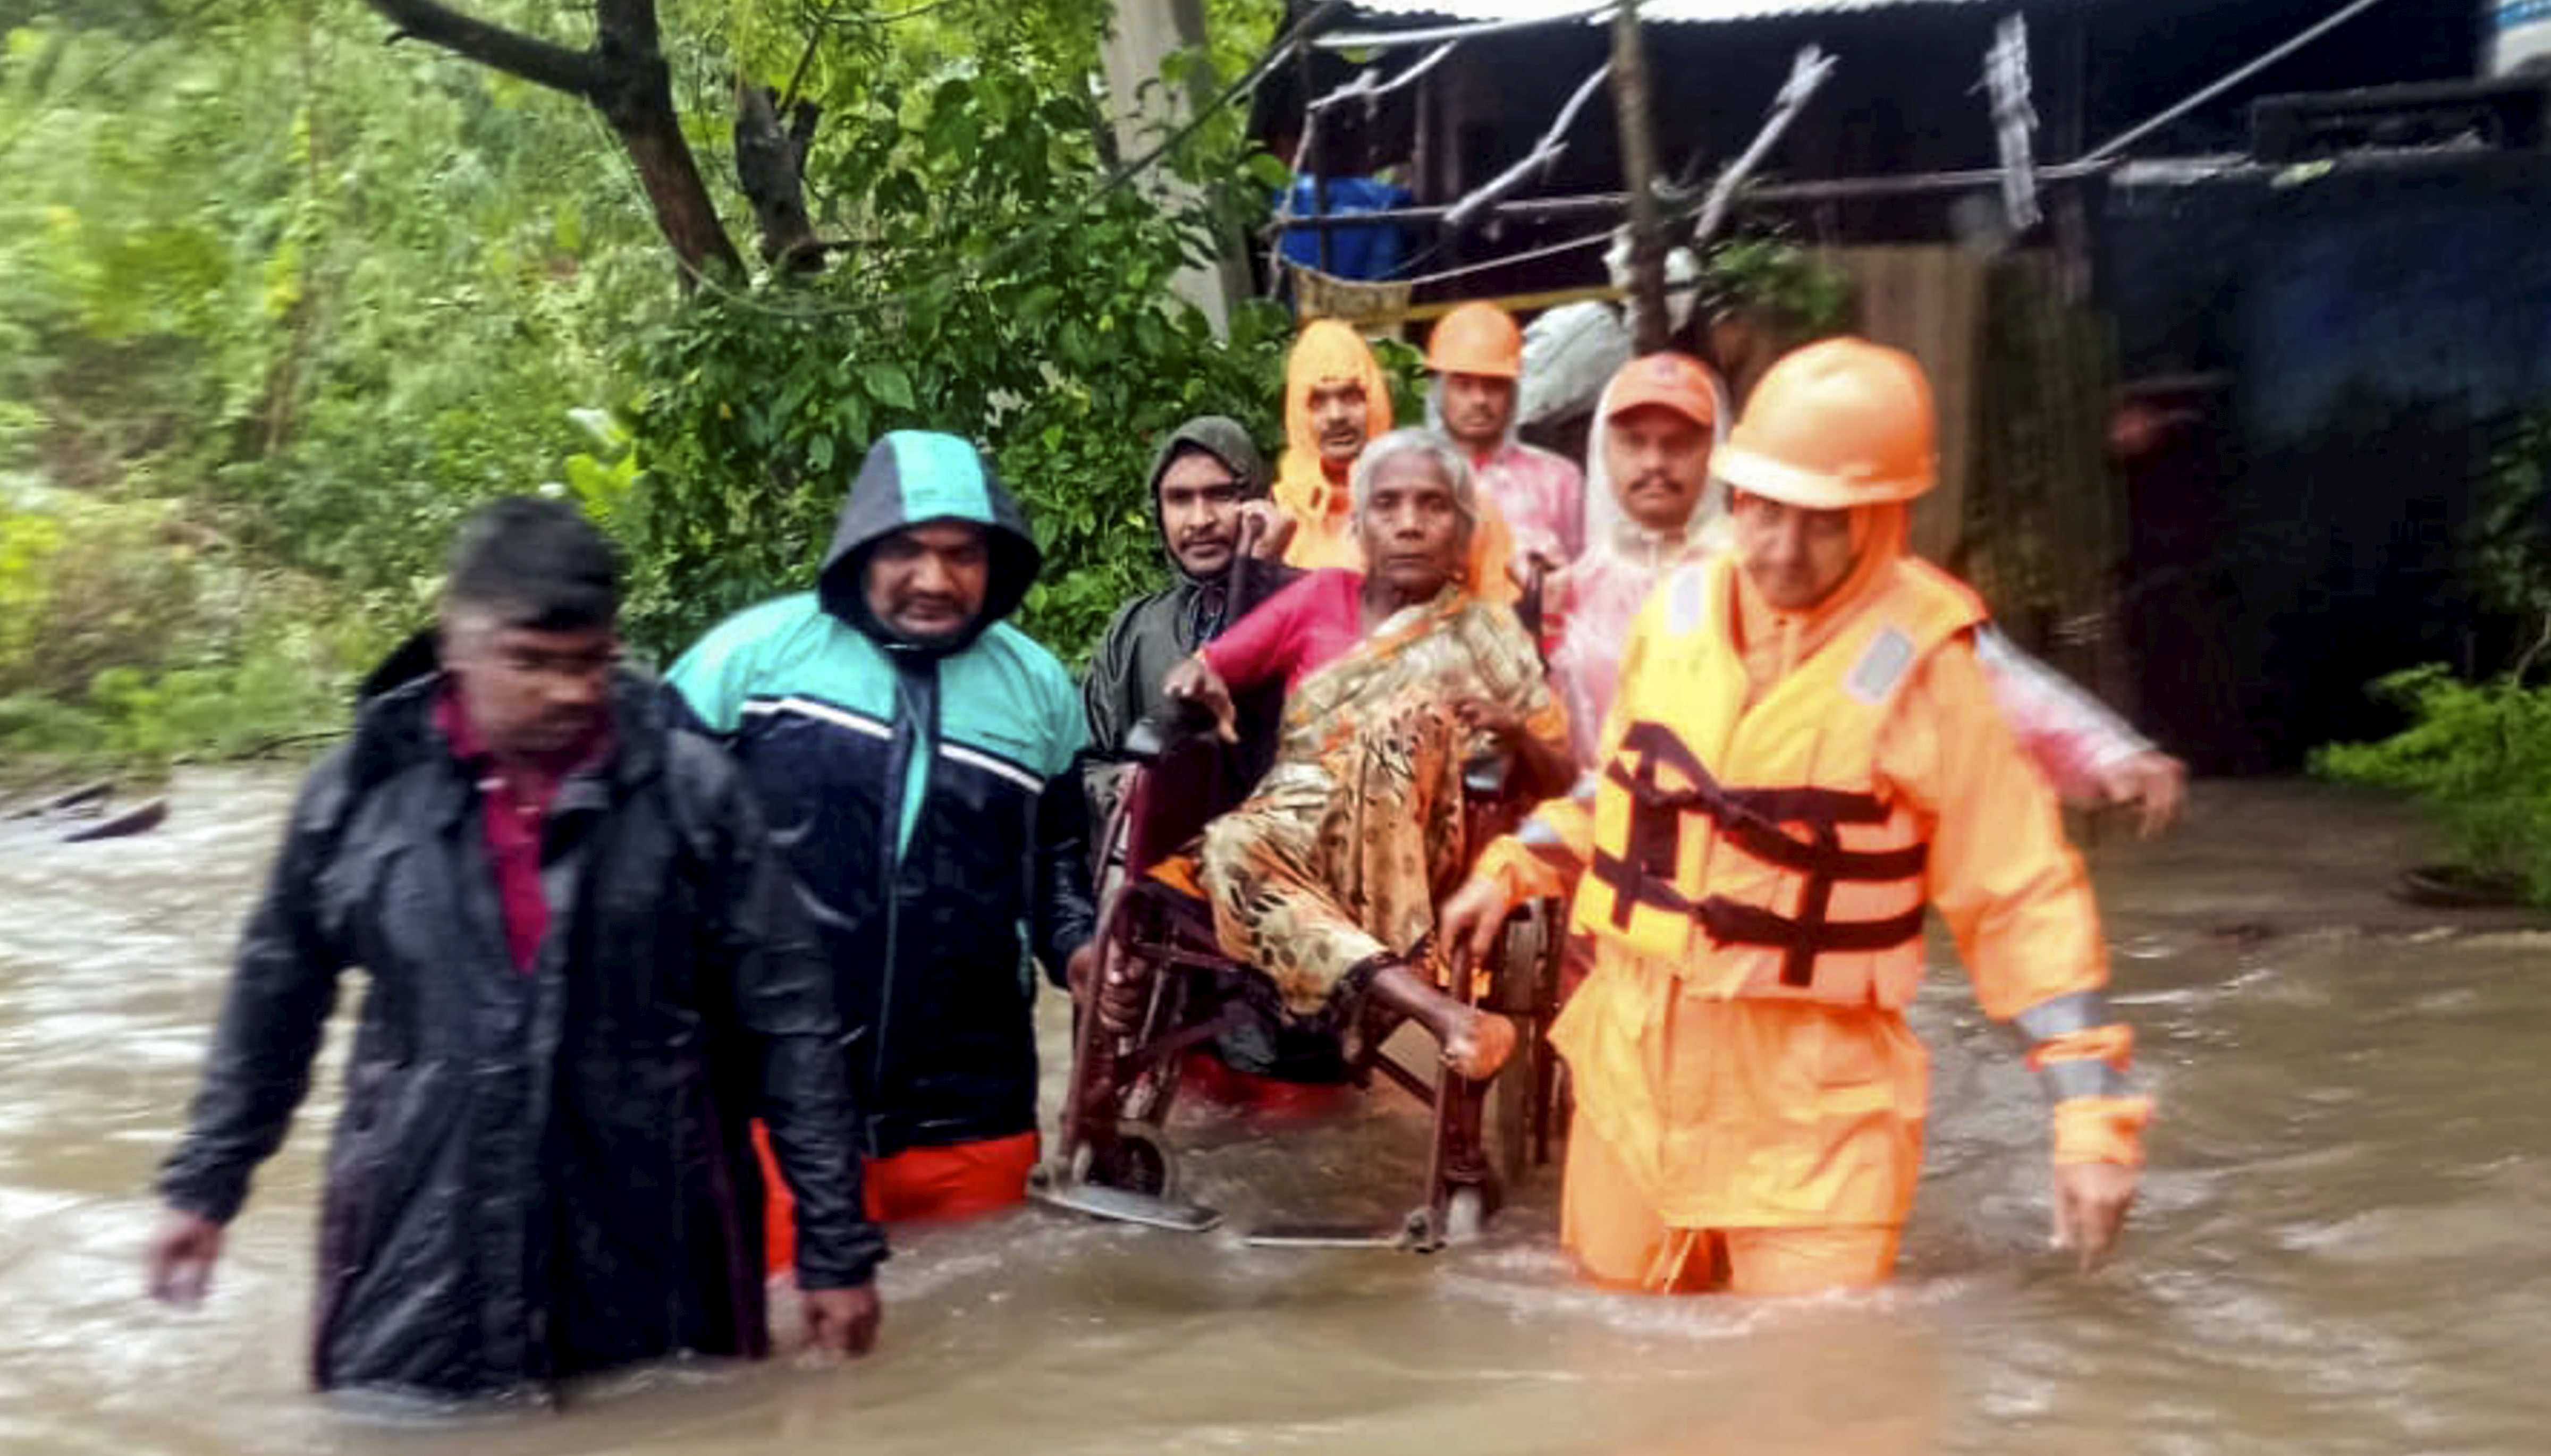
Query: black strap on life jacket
[(1752, 819)]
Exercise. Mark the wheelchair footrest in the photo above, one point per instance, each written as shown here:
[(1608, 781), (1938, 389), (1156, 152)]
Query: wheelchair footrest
[(1100, 1201), (1327, 1236)]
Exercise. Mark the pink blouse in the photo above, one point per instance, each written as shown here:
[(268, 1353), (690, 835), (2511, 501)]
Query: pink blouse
[(1299, 630)]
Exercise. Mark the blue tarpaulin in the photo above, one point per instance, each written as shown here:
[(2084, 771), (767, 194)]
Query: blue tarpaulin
[(1368, 253)]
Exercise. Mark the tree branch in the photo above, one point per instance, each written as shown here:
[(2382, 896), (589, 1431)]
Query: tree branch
[(629, 22), (577, 73), (771, 164), (798, 75)]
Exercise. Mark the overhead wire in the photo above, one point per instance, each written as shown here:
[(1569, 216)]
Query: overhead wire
[(2228, 80)]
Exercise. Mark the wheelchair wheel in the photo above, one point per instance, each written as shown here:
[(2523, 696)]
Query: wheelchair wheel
[(1130, 1162), (1519, 985)]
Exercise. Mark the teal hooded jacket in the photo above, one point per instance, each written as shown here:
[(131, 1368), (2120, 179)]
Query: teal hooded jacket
[(908, 786)]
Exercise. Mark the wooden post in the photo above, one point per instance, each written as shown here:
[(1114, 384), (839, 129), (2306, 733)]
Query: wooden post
[(1638, 177)]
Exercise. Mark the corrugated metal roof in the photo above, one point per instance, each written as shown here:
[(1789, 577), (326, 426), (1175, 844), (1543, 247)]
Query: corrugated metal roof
[(1662, 11), (1381, 20)]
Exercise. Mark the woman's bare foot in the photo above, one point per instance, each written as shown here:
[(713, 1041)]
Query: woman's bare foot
[(1480, 1045)]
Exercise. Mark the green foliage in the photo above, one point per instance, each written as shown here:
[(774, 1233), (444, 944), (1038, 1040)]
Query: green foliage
[(993, 298), (280, 303), (277, 305), (334, 290), (2477, 755), (85, 586), (2509, 546), (1792, 288), (125, 637), (1404, 365)]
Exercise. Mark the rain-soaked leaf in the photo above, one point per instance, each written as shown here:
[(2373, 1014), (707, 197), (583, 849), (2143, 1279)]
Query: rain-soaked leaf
[(888, 384)]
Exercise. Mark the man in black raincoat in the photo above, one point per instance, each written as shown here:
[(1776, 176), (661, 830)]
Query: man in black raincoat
[(586, 974)]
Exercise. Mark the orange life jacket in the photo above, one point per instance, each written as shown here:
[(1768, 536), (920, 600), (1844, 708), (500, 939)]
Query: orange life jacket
[(1764, 830)]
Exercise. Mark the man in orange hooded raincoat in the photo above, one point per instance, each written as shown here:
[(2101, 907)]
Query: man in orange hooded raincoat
[(1802, 755), (1336, 398)]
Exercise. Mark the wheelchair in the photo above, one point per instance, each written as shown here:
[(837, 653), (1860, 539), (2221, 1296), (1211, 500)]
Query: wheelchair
[(1163, 987)]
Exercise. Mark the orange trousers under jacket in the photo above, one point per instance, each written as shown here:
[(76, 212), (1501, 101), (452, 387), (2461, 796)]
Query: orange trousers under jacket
[(958, 1181), (1619, 1242)]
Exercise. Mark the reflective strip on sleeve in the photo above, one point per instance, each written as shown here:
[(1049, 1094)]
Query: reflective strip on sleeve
[(1534, 833), (958, 752), (2063, 1015), (2065, 1081)]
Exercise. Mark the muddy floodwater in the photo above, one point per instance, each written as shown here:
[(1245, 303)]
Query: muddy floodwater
[(2343, 1245)]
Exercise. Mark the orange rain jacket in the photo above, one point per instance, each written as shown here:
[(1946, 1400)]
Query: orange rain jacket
[(1772, 810), (1327, 352)]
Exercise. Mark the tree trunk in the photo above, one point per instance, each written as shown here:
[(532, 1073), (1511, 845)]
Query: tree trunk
[(684, 212), (623, 77), (1141, 38), (771, 164), (1638, 178)]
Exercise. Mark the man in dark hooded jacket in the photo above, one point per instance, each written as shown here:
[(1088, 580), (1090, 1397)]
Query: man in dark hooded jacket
[(902, 737), (586, 973), (1206, 479)]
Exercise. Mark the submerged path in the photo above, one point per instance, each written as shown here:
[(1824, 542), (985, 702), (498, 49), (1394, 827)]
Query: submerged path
[(2341, 1246)]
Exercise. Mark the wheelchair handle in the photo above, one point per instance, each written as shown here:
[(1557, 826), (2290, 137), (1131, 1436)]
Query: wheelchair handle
[(1528, 609), (1154, 735)]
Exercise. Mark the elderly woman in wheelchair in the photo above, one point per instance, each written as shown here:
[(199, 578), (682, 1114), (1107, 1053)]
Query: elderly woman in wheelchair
[(1322, 884)]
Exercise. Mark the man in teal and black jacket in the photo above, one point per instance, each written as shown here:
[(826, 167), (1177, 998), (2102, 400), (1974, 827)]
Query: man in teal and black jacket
[(902, 738)]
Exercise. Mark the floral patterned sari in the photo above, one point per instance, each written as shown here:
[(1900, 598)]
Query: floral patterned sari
[(1334, 866)]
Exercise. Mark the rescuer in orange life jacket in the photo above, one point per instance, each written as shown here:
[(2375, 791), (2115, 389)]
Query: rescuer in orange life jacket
[(1802, 754)]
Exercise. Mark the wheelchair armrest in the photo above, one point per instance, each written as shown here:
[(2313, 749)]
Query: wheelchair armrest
[(1152, 737)]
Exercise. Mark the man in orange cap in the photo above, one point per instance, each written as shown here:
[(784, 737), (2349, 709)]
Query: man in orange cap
[(1477, 354), (1336, 398), (1651, 472), (1804, 754), (1651, 456)]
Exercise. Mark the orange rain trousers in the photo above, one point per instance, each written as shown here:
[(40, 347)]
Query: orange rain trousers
[(1619, 1241), (959, 1180)]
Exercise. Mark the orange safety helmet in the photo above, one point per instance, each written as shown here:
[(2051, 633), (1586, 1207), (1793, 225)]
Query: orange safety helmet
[(1836, 424), (1477, 338)]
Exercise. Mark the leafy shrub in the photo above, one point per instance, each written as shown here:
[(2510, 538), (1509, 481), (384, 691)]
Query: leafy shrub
[(127, 635), (1799, 293), (85, 585), (997, 301), (2477, 755)]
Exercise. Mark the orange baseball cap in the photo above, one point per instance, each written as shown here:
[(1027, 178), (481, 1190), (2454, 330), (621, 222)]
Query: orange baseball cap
[(1678, 382)]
